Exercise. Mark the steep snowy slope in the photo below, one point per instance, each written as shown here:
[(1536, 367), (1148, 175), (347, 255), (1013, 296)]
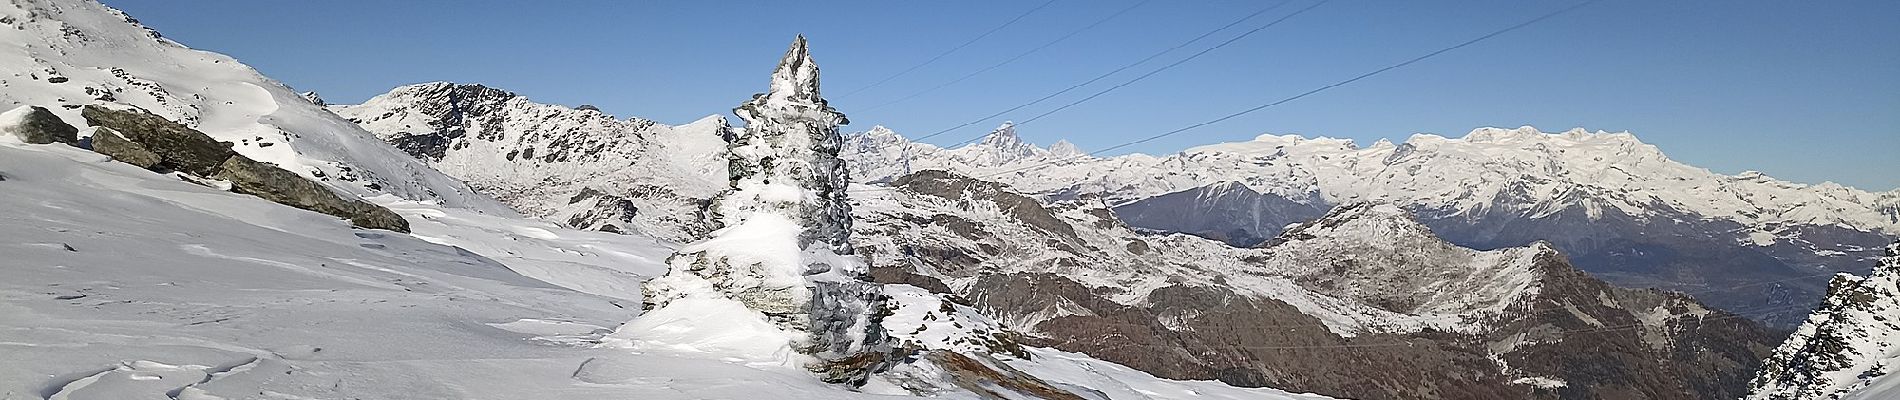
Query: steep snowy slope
[(64, 54), (1850, 346), (1620, 207), (579, 167)]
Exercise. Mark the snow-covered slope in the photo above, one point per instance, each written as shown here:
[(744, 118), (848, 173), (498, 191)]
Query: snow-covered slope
[(545, 159), (123, 283), (1848, 349), (65, 54), (1617, 205)]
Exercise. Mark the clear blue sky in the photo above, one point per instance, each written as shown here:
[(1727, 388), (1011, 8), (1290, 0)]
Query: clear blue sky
[(1805, 91)]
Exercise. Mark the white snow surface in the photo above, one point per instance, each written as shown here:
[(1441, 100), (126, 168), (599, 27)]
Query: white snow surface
[(62, 54), (123, 283), (1530, 171)]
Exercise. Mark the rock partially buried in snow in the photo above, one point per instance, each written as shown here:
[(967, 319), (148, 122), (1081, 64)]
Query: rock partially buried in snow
[(109, 142), (284, 187), (179, 147), (155, 143), (37, 125)]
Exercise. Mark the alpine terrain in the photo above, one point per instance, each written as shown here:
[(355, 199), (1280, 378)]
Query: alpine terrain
[(176, 225)]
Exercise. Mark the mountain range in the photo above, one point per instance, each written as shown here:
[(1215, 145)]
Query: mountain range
[(182, 226)]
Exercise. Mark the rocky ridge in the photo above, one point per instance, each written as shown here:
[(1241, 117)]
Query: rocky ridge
[(1618, 206), (1848, 348)]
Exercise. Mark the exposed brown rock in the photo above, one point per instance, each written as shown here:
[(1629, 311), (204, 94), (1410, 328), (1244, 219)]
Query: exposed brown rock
[(109, 142), (178, 147)]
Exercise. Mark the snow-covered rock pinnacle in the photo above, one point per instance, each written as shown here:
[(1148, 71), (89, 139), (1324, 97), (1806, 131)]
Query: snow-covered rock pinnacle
[(781, 247), (1850, 345)]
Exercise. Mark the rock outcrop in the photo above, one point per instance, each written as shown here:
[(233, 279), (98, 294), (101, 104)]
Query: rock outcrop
[(37, 125), (782, 247), (109, 142), (283, 187), (179, 147), (1849, 347), (155, 143)]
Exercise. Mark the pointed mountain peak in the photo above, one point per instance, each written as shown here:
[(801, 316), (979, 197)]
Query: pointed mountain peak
[(1064, 149), (796, 78), (1002, 137)]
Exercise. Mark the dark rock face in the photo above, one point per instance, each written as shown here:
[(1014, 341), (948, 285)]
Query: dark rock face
[(284, 187), (178, 147), (155, 143), (42, 127), (599, 211), (109, 142)]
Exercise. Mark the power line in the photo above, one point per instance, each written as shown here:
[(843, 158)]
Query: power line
[(1144, 60), (1357, 78), (1297, 96), (1011, 59), (1176, 63), (939, 56)]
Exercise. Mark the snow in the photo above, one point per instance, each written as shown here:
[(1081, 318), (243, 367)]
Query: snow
[(1083, 374), (175, 287), (1489, 167), (101, 56), (10, 122), (1848, 348), (713, 327), (595, 150)]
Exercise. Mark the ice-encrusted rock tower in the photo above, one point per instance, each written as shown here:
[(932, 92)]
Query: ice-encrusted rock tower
[(1850, 344), (783, 227)]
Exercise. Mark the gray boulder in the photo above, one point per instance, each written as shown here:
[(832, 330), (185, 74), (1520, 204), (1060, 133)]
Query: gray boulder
[(109, 142), (42, 127), (284, 187), (178, 147), (155, 143)]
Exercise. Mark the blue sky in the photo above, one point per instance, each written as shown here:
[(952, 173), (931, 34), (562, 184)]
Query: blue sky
[(1804, 91)]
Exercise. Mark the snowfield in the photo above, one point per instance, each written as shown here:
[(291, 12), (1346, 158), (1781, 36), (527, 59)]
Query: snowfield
[(122, 283)]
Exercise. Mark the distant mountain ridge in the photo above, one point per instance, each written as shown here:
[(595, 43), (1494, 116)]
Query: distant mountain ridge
[(1618, 206), (580, 167)]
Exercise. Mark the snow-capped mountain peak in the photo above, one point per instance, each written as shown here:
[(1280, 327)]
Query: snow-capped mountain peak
[(1063, 149)]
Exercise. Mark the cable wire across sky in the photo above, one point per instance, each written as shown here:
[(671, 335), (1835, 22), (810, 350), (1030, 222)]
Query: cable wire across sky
[(1012, 59), (1271, 104), (1104, 75), (940, 56)]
